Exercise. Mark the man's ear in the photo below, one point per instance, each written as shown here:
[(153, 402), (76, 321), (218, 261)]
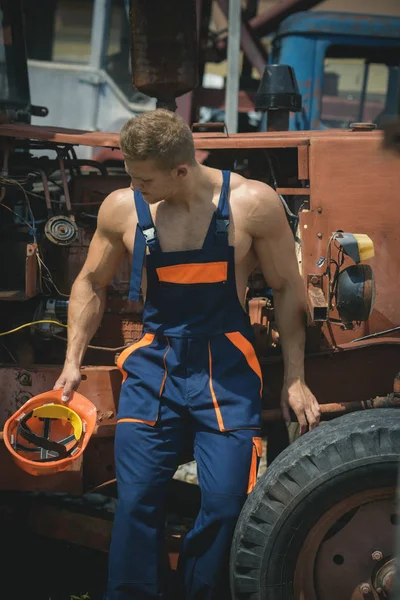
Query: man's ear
[(181, 171)]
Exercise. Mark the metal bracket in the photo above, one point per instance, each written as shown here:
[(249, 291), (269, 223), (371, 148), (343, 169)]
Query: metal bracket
[(316, 300)]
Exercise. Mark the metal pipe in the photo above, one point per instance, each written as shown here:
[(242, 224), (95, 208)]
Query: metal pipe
[(99, 33), (4, 171), (232, 81), (65, 185), (46, 190), (254, 52), (363, 92), (330, 411), (277, 120), (268, 21)]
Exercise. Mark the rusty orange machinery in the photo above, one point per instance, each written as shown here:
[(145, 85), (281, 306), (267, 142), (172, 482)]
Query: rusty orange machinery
[(343, 182)]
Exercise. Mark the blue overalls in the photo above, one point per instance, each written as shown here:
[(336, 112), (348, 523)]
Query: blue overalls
[(194, 370)]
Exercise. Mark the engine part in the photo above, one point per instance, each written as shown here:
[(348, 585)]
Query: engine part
[(164, 49), (51, 310), (61, 230), (278, 94), (355, 293), (65, 184), (19, 274), (358, 246)]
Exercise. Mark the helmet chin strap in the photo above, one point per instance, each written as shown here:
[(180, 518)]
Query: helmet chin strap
[(49, 450)]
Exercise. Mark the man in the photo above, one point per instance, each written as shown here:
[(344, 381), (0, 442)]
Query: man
[(195, 368)]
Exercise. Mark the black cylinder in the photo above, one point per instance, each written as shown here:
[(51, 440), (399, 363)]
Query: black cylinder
[(164, 48), (277, 120), (278, 90)]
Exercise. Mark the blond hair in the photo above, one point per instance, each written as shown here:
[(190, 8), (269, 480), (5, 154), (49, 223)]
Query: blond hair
[(158, 135)]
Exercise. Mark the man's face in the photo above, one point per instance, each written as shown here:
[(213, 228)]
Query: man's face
[(154, 183)]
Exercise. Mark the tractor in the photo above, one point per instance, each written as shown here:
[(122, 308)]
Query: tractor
[(320, 523)]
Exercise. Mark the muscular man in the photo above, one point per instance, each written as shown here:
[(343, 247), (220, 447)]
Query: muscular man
[(200, 232)]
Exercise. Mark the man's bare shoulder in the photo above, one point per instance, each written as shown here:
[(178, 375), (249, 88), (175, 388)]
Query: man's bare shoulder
[(255, 204), (116, 211)]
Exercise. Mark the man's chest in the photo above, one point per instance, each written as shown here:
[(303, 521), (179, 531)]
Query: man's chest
[(180, 231)]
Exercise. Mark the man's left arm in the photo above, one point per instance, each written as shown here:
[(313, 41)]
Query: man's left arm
[(274, 246)]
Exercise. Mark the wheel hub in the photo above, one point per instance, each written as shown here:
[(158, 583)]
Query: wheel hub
[(347, 554)]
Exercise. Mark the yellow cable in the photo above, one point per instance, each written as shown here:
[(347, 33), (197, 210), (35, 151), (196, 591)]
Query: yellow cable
[(33, 323)]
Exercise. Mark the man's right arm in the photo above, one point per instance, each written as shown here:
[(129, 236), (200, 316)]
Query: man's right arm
[(88, 293)]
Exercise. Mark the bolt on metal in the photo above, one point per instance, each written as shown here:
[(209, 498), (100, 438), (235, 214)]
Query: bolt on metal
[(377, 555), (365, 588)]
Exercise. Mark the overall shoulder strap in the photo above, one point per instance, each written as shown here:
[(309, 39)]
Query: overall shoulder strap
[(145, 234), (222, 212), (145, 222)]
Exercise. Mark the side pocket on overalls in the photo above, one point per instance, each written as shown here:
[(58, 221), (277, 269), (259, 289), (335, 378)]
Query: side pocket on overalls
[(143, 380), (255, 461), (247, 349), (146, 340)]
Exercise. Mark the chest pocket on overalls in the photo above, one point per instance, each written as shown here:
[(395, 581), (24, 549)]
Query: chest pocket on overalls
[(194, 273)]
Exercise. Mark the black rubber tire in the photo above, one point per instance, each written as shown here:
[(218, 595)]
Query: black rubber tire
[(350, 454)]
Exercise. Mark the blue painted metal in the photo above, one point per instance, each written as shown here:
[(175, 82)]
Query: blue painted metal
[(339, 23), (302, 42)]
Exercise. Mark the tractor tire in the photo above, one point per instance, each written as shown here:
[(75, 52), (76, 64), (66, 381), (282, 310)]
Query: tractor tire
[(321, 519)]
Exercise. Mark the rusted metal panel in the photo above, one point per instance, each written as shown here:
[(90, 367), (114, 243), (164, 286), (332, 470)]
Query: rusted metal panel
[(99, 465), (24, 261), (164, 49), (86, 530), (100, 384), (302, 163), (316, 299), (349, 374), (61, 524), (355, 190), (369, 528)]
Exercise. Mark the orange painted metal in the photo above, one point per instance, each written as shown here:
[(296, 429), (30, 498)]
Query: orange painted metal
[(302, 163), (355, 190), (293, 191)]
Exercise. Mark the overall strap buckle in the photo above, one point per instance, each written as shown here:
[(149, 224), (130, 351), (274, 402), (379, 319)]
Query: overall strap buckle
[(221, 231), (150, 235), (222, 226)]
